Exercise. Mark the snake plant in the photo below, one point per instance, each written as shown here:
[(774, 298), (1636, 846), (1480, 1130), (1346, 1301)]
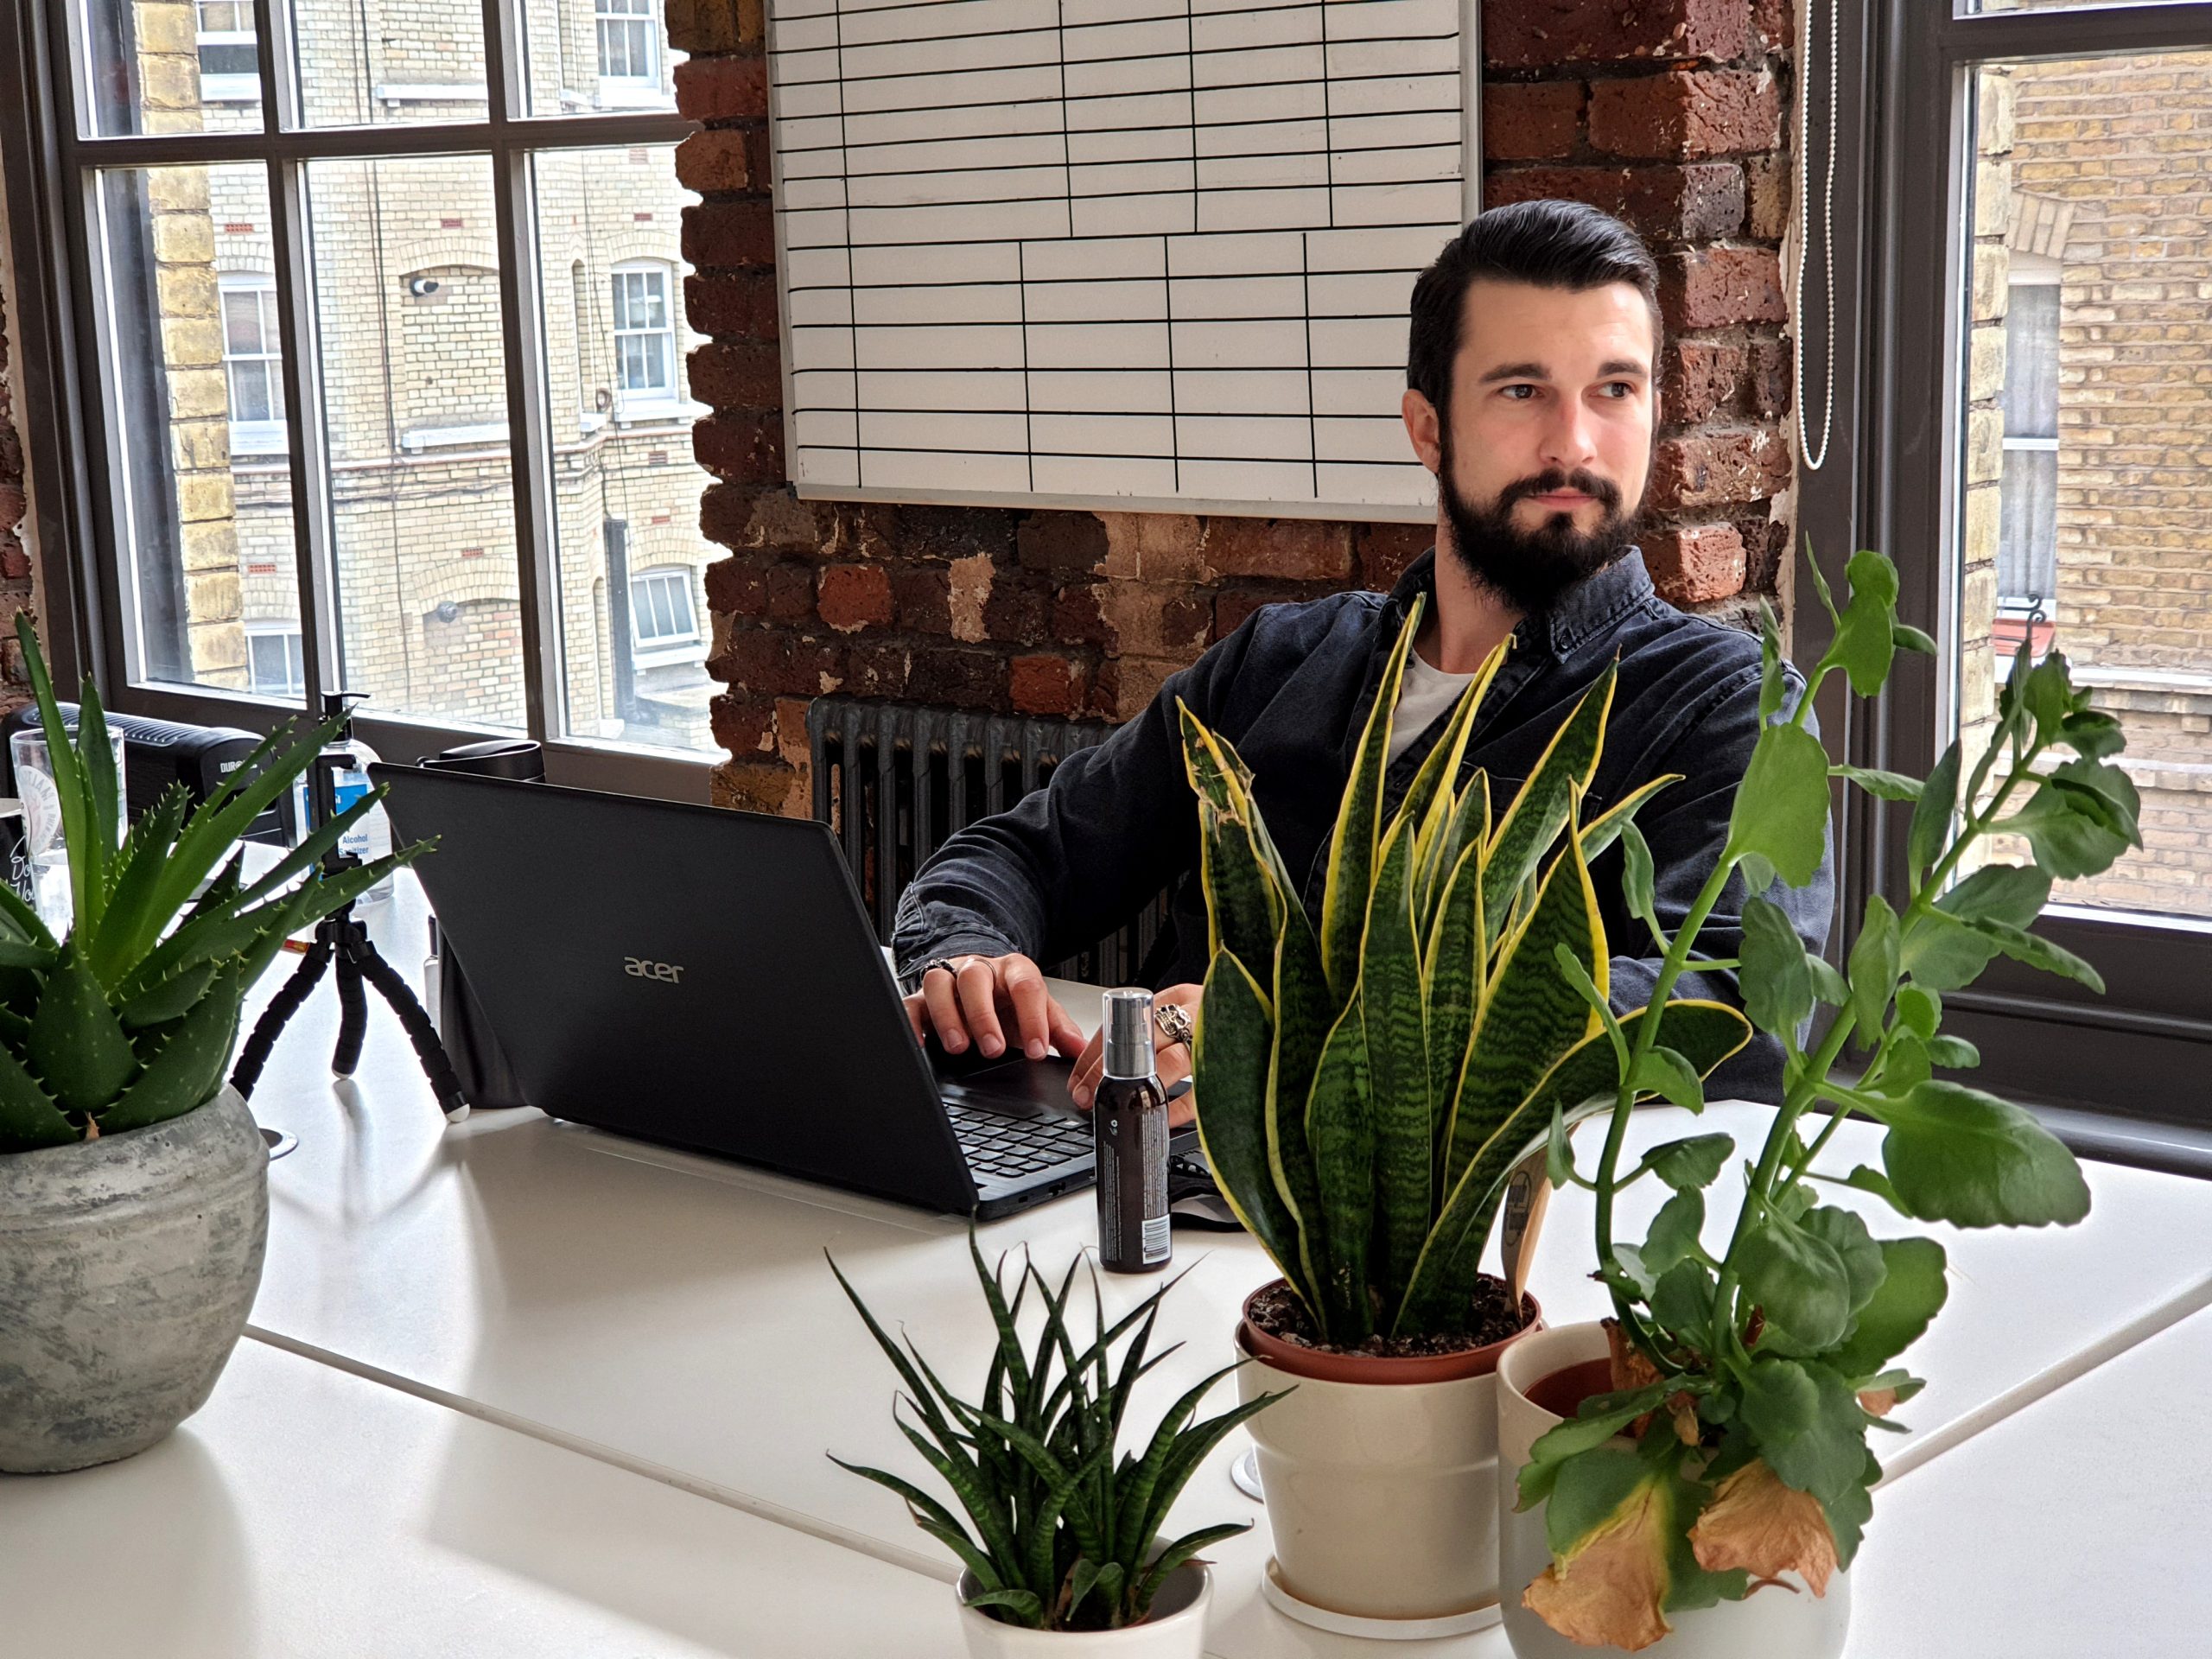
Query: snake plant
[(127, 1021), (1067, 1534), (1366, 1086)]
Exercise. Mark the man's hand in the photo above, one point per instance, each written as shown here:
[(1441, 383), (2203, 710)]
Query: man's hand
[(1171, 1060), (984, 995)]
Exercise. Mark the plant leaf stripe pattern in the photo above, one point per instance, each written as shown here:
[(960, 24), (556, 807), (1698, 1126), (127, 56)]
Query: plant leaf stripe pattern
[(1361, 1123)]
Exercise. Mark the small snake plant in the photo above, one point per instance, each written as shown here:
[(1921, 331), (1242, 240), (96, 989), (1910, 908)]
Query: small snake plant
[(1065, 1534), (1364, 1088), (127, 1020)]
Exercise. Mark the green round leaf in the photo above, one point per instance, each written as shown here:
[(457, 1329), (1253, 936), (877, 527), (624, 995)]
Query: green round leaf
[(1956, 1154), (1781, 807), (1911, 1291), (1798, 1280)]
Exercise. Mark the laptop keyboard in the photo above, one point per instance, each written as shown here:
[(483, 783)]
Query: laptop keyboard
[(1005, 1147)]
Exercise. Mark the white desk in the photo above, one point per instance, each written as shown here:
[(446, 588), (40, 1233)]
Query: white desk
[(672, 1314), (306, 1514)]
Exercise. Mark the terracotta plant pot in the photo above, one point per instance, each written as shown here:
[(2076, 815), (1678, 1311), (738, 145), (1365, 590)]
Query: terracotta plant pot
[(127, 1266), (1380, 1476), (1777, 1623), (1177, 1628)]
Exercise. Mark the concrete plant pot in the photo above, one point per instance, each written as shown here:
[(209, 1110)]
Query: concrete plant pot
[(1785, 1621), (127, 1266), (1175, 1630), (1381, 1478)]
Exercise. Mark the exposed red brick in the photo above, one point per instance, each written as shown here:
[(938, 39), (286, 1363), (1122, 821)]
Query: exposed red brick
[(1307, 549), (767, 661), (875, 669), (738, 374), (745, 447), (722, 159), (1045, 685), (759, 786), (1548, 34), (1686, 115), (714, 25), (737, 587), (1078, 619), (1769, 378), (743, 725), (923, 595), (14, 562), (1538, 121), (962, 678), (1714, 469), (722, 233), (1717, 288), (1695, 564), (722, 88), (11, 506), (791, 592), (1385, 551), (1694, 203), (1775, 21), (1698, 378), (1769, 184), (1019, 611), (851, 597), (1065, 543), (1185, 624), (1231, 606), (732, 303)]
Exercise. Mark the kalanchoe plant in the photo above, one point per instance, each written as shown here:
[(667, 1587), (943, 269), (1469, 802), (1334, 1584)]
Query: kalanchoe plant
[(1751, 1368), (1064, 1512), (126, 1021), (1365, 1089)]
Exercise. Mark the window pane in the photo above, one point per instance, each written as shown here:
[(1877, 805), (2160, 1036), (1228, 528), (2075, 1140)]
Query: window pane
[(169, 65), (588, 55), (407, 290), (2088, 482), (1991, 8), (201, 457), (386, 62), (627, 491)]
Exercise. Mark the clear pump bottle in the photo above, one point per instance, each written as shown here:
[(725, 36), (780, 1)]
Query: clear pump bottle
[(1129, 1124)]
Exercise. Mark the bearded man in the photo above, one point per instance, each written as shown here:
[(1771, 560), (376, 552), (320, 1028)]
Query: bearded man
[(1532, 395)]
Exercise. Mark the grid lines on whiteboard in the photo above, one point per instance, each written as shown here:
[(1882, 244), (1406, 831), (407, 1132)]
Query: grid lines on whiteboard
[(1110, 250)]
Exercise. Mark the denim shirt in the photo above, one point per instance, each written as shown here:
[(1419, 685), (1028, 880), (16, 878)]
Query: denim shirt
[(1291, 688)]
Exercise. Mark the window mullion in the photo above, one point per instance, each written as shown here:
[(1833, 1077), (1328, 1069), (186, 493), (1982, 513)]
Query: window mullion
[(312, 530)]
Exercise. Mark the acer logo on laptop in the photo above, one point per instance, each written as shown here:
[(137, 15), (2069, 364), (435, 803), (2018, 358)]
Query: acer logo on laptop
[(668, 973)]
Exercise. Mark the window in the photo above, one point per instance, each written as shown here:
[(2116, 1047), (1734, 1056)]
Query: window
[(254, 364), (276, 662), (2035, 419), (230, 70), (629, 52), (326, 432), (660, 608), (644, 336)]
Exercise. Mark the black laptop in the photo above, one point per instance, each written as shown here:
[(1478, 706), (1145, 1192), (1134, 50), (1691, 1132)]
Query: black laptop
[(709, 979)]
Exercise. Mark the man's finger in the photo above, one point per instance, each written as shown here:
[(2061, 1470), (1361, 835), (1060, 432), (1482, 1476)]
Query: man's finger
[(916, 1015), (1067, 1036), (1025, 988), (1083, 1082), (979, 998), (941, 998), (1182, 1113)]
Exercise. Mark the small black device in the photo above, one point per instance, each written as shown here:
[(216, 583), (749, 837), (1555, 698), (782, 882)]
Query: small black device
[(340, 937), (157, 754), (708, 979)]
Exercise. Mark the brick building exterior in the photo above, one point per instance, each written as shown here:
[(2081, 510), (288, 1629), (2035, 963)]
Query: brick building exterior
[(1668, 113), (16, 581)]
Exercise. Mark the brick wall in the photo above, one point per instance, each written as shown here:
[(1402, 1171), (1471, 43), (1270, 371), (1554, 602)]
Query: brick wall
[(1668, 112), (15, 487)]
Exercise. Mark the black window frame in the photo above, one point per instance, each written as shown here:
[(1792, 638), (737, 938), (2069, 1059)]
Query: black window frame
[(2120, 1074)]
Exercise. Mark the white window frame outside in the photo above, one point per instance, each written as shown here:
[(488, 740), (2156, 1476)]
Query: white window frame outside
[(237, 88), (637, 19), (266, 437), (665, 647), (2029, 271), (654, 402), (296, 683)]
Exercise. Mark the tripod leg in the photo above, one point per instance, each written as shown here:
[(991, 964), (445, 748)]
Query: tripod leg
[(353, 1013), (282, 1007), (437, 1066)]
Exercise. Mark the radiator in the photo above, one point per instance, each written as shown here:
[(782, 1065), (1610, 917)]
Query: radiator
[(896, 779)]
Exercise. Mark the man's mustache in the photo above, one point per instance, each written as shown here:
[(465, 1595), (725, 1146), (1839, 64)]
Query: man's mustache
[(1604, 491)]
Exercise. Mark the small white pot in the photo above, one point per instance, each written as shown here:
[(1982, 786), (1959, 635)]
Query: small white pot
[(1177, 1628), (1775, 1622), (1382, 1494)]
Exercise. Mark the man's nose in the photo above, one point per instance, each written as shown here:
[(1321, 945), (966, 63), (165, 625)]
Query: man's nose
[(1568, 441)]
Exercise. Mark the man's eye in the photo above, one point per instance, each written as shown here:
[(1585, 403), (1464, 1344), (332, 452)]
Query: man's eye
[(1626, 389), (1514, 392)]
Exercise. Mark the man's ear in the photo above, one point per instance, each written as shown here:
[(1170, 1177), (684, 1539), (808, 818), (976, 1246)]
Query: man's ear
[(1423, 427)]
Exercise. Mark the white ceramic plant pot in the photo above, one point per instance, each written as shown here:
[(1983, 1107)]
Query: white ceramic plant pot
[(127, 1266), (1381, 1492), (1785, 1621), (1177, 1628)]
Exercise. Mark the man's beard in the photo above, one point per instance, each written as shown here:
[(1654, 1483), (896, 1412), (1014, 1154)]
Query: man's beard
[(1530, 569)]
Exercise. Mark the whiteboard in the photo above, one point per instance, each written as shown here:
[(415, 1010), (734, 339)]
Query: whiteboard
[(1136, 254)]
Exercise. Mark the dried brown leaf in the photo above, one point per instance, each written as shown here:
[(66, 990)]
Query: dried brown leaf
[(1877, 1402), (1612, 1591), (1756, 1522)]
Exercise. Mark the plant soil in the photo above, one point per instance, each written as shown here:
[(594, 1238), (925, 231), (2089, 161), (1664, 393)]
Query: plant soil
[(1491, 1317)]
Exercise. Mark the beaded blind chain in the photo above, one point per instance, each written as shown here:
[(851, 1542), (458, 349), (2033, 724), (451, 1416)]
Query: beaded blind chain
[(1812, 463)]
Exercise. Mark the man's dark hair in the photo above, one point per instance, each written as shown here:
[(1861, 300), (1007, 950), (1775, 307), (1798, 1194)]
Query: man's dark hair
[(1564, 244)]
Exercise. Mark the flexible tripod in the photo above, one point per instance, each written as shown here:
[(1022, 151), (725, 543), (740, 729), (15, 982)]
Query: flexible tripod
[(340, 937)]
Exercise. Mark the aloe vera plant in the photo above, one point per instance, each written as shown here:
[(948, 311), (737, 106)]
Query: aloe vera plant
[(1366, 1086), (127, 1021), (1065, 1534), (1755, 1369)]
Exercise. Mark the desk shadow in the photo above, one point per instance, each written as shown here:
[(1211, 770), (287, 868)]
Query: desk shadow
[(144, 1556)]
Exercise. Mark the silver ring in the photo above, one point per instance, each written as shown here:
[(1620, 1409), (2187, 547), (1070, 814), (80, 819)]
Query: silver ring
[(1174, 1022), (935, 962)]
